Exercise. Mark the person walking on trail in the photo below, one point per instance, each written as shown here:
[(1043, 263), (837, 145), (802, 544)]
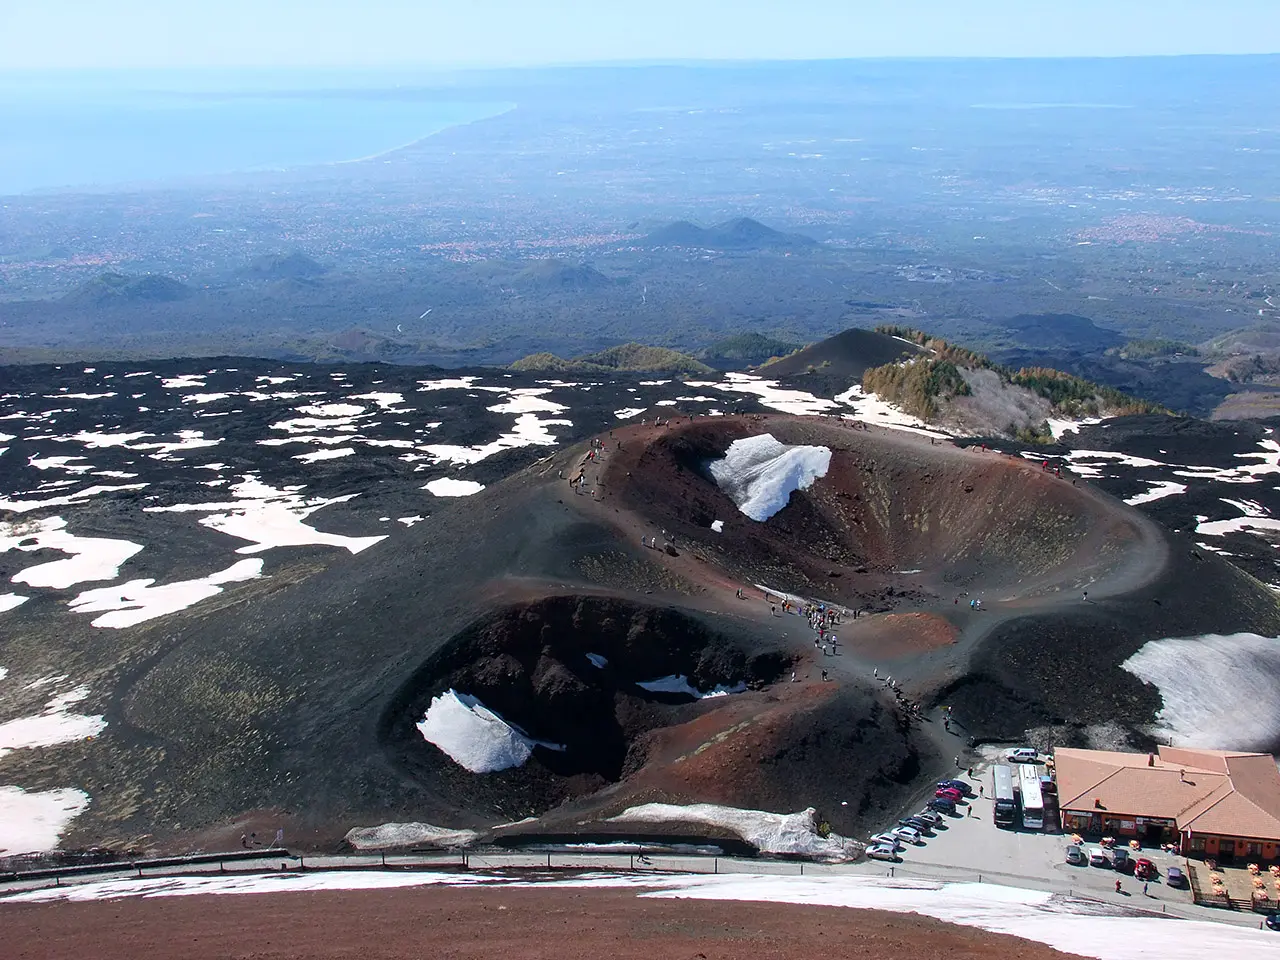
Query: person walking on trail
[(1146, 887), (957, 763), (824, 676), (1086, 596), (773, 611)]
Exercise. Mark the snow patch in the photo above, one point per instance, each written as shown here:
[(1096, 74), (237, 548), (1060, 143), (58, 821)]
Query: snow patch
[(772, 396), (598, 661), (7, 602), (717, 526), (139, 601), (34, 822), (1232, 703), (56, 724), (1157, 491), (759, 474), (449, 487), (473, 736), (91, 558), (779, 833), (680, 684), (325, 454), (389, 835), (626, 413), (267, 517)]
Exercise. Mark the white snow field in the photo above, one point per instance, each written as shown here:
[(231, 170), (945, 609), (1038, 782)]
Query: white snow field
[(90, 558), (135, 602), (680, 684), (1157, 491), (450, 487), (34, 821), (267, 517), (55, 724), (771, 395), (759, 474), (10, 600), (1231, 705), (870, 408), (473, 736), (1070, 926), (389, 835), (791, 833)]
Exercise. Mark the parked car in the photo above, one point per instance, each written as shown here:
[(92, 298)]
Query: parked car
[(1098, 858), (881, 851), (1145, 869), (917, 823), (929, 816), (887, 839), (1075, 856), (1272, 921), (1048, 786), (909, 834), (1121, 860), (1174, 877), (942, 805), (951, 793), (1022, 755), (964, 788)]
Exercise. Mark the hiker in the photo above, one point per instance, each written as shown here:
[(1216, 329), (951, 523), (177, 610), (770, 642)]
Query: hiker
[(957, 763), (773, 611), (1117, 885), (1086, 596), (824, 676)]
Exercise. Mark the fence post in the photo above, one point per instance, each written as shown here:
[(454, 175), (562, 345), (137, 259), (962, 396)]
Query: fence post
[(384, 859), (802, 869), (979, 878), (715, 865), (548, 861), (890, 871)]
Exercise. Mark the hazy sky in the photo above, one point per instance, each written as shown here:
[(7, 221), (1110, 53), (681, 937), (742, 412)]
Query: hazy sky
[(170, 33)]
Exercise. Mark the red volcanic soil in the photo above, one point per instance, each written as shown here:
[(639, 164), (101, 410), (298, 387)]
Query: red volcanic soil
[(894, 636), (457, 923), (961, 519)]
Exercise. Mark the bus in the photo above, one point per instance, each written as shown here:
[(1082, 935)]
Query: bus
[(1006, 805), (1032, 798)]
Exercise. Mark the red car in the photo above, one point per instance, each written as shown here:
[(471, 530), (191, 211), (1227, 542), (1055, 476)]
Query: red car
[(1144, 869), (949, 793)]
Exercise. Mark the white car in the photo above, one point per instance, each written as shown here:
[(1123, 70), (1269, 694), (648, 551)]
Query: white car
[(888, 840), (881, 851), (909, 834), (1022, 755), (1098, 858)]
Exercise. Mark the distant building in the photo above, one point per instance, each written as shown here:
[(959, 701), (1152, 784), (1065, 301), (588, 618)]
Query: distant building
[(1214, 803)]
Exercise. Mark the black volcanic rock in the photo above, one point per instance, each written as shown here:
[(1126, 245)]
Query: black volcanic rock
[(833, 365)]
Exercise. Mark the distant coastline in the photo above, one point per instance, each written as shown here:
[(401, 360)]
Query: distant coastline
[(58, 146), (510, 108)]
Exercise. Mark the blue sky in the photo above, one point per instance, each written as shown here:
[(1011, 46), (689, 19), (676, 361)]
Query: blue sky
[(281, 33)]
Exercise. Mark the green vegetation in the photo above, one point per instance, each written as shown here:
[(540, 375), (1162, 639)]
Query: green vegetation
[(748, 348), (918, 386), (627, 356), (1154, 349), (941, 349), (1076, 397)]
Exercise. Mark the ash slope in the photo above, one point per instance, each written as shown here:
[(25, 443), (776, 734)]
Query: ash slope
[(298, 691)]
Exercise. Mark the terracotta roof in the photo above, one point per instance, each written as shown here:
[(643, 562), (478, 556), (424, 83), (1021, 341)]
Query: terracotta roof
[(1206, 791)]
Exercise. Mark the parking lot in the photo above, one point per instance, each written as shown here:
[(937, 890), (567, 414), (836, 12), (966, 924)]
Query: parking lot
[(970, 846)]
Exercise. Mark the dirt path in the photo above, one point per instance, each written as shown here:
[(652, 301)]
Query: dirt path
[(513, 924)]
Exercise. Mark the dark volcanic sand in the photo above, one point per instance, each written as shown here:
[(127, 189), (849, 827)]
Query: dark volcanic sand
[(513, 924)]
